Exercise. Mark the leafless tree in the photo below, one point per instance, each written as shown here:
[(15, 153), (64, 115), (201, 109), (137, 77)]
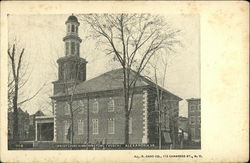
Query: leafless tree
[(157, 73), (70, 84), (132, 39), (17, 78)]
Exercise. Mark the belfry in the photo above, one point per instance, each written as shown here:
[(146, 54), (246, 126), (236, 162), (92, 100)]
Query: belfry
[(71, 67)]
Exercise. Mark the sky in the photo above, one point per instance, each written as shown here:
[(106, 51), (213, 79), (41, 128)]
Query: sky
[(41, 36)]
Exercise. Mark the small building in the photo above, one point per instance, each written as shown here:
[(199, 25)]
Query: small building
[(23, 124), (194, 116), (44, 128), (32, 124), (100, 115)]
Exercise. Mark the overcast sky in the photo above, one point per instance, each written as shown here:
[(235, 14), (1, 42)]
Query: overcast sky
[(41, 35)]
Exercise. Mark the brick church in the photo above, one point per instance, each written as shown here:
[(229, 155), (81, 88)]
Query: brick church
[(100, 102)]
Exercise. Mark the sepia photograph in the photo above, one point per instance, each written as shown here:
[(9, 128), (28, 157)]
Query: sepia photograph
[(103, 81)]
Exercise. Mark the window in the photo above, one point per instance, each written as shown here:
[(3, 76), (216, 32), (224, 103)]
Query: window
[(130, 126), (64, 74), (72, 28), (156, 104), (66, 109), (77, 49), (80, 76), (72, 48), (76, 29), (95, 126), (67, 48), (111, 126), (82, 106), (199, 120), (192, 132), (80, 127), (192, 120), (192, 108), (95, 106), (111, 105), (66, 127), (68, 27)]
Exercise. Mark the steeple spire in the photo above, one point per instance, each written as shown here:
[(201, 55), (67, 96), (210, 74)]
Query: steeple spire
[(72, 40), (71, 67)]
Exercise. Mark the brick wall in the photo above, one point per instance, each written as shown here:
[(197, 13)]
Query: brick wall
[(194, 119), (103, 115), (169, 115)]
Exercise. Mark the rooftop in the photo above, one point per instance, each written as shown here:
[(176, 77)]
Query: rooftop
[(193, 99), (72, 18), (111, 80)]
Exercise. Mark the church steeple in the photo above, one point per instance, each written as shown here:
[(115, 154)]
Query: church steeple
[(71, 67), (72, 40)]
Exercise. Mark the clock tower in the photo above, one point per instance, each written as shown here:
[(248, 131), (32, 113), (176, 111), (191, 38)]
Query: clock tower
[(71, 67)]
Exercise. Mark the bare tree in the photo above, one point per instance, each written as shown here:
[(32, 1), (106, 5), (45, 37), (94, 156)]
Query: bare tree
[(70, 82), (17, 78), (132, 39), (157, 73)]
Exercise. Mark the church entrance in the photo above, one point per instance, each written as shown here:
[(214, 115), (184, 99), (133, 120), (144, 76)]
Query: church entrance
[(45, 128)]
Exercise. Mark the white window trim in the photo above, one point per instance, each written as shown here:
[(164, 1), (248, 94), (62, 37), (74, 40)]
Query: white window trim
[(66, 129), (97, 106), (95, 120), (113, 105), (68, 111), (112, 120), (82, 127), (82, 106)]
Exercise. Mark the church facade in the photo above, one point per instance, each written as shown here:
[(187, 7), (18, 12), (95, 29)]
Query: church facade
[(98, 103)]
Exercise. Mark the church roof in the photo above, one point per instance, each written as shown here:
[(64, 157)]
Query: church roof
[(108, 81), (111, 80)]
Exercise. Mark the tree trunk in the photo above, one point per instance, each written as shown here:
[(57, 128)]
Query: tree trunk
[(126, 129), (126, 110), (15, 115), (72, 131), (72, 124)]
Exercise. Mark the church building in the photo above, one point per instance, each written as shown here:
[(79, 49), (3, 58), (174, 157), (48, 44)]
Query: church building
[(99, 103)]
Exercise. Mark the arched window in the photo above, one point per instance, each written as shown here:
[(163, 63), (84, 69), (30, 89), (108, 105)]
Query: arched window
[(81, 71), (78, 49), (72, 48), (111, 105), (68, 27), (67, 48), (72, 75), (72, 28), (95, 106)]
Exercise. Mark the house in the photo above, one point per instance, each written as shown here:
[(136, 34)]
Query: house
[(194, 116), (23, 124), (99, 103)]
